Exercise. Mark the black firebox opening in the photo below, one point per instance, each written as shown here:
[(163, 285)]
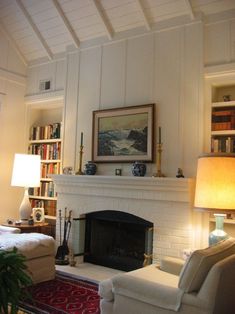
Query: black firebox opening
[(116, 239)]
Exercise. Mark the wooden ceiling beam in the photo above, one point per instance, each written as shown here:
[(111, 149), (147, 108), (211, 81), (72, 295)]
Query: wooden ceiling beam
[(67, 24), (35, 29), (103, 18), (144, 17), (190, 9)]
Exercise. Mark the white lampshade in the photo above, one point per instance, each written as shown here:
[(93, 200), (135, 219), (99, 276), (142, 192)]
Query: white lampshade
[(215, 182), (26, 173), (26, 170)]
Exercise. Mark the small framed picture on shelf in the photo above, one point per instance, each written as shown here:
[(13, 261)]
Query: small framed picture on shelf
[(38, 214), (123, 134)]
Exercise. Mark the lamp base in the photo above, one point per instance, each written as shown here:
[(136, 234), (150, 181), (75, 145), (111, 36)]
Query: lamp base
[(25, 207), (218, 234)]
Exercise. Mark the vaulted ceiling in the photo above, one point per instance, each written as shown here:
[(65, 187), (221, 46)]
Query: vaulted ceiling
[(44, 29)]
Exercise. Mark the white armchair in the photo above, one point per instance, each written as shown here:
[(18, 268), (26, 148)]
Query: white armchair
[(205, 285)]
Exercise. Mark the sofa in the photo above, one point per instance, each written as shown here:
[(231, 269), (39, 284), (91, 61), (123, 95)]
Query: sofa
[(204, 284), (39, 250)]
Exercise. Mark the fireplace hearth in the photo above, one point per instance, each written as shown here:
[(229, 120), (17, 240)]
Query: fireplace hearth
[(117, 240)]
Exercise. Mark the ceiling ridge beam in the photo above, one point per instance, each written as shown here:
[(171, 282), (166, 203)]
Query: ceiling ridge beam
[(103, 19), (35, 29), (13, 44), (144, 17), (190, 9), (67, 24)]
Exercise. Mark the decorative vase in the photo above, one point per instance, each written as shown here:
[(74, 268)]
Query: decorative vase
[(138, 169), (90, 168)]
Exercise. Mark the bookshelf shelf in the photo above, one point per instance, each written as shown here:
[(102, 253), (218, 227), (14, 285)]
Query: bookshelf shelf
[(46, 141), (223, 119), (43, 198)]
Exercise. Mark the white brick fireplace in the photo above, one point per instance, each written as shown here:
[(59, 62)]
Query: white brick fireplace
[(166, 202)]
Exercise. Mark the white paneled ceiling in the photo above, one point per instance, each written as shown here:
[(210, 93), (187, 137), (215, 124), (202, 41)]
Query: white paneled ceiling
[(44, 29)]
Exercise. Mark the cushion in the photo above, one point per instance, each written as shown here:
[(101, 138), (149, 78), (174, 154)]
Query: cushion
[(171, 265), (32, 245), (200, 262)]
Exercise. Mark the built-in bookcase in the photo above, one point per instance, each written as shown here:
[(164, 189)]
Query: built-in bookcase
[(223, 120), (45, 139)]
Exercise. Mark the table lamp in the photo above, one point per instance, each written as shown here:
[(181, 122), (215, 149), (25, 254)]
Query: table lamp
[(215, 189), (26, 173)]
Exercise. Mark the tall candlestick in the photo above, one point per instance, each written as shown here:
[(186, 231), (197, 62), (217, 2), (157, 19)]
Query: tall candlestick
[(159, 135), (81, 139)]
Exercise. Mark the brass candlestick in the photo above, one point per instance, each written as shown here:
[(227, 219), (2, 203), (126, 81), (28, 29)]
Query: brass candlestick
[(158, 161), (80, 161)]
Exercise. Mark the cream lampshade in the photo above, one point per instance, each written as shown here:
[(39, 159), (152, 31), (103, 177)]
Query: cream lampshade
[(26, 173), (215, 189)]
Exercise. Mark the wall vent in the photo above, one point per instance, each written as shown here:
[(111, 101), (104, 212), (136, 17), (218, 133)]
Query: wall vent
[(45, 85)]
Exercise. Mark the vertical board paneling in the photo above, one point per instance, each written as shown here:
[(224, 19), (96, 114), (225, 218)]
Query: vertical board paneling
[(70, 110), (193, 98), (89, 97), (167, 95), (60, 73), (47, 72), (113, 75), (32, 81), (139, 70), (216, 43), (232, 39)]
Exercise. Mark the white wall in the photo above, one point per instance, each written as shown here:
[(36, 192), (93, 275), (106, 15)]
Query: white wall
[(12, 124), (160, 67)]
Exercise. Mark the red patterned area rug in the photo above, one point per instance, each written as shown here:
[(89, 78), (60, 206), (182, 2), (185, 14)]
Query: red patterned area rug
[(63, 295)]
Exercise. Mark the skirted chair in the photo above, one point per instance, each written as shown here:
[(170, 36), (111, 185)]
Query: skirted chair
[(39, 250), (204, 285)]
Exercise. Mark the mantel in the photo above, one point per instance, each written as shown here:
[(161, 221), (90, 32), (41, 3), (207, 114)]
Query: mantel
[(149, 188)]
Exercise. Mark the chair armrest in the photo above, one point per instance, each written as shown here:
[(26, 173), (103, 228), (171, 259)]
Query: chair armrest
[(106, 290), (5, 229), (172, 265)]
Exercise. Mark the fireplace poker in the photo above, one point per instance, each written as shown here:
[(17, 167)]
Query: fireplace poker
[(63, 249), (69, 225), (65, 244)]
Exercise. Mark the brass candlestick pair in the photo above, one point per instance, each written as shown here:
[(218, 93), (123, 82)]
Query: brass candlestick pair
[(158, 161)]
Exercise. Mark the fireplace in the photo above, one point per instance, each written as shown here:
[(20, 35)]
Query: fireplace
[(118, 240), (166, 202)]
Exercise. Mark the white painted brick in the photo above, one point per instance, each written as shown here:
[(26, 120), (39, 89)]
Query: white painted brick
[(163, 202)]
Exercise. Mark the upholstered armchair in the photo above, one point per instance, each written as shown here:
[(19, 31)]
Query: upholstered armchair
[(205, 285)]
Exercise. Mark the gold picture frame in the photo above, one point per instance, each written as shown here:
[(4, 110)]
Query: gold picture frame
[(123, 134), (38, 214)]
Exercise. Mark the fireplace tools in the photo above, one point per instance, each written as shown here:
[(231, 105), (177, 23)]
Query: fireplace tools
[(63, 249)]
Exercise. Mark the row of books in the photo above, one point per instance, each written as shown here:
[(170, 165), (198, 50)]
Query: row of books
[(49, 206), (45, 189), (223, 119), (49, 168), (51, 131), (223, 145), (46, 151)]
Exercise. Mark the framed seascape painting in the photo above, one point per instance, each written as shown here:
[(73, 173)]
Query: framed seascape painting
[(123, 134)]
